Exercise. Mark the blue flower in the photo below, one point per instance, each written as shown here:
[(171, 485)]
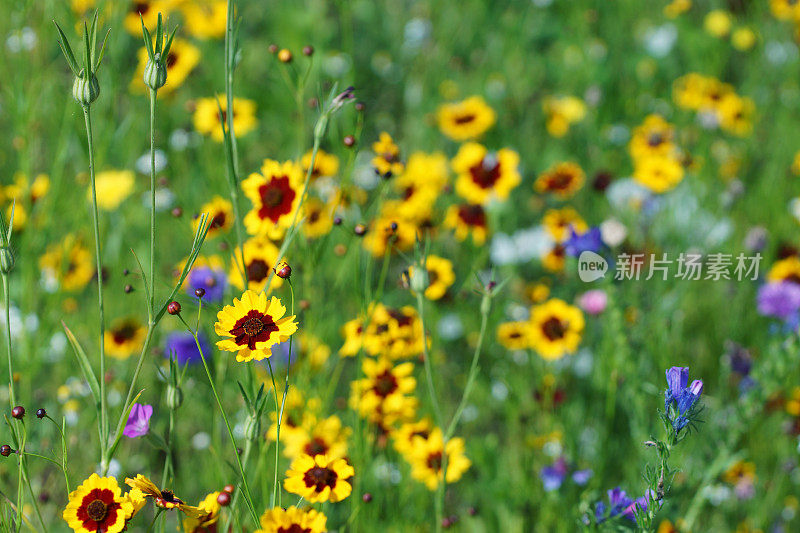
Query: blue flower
[(590, 240), (182, 344), (553, 476), (678, 398), (213, 281)]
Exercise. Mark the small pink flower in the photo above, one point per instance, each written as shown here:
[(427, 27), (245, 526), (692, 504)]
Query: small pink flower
[(139, 421), (593, 302)]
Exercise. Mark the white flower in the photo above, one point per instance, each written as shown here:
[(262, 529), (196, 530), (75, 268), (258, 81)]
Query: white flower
[(613, 232), (143, 162), (660, 40)]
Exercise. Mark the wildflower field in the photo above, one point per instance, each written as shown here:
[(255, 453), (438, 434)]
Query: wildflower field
[(417, 265)]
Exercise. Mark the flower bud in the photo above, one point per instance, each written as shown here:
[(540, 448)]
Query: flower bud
[(41, 413), (252, 428), (224, 499), (419, 280), (283, 270), (5, 450), (6, 260), (18, 412), (155, 73), (85, 91), (174, 397), (174, 308)]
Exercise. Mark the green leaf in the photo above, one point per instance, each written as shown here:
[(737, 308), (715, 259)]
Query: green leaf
[(157, 441), (168, 44), (102, 51), (86, 367), (87, 52), (67, 50), (125, 417), (245, 396), (159, 34), (148, 41), (93, 37)]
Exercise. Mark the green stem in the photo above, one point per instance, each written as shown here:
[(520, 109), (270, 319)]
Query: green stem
[(427, 360), (152, 303), (7, 301), (277, 435), (103, 422)]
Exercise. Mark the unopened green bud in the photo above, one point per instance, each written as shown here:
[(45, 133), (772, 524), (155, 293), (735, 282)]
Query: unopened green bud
[(486, 304), (321, 126), (174, 397), (6, 260), (155, 73), (85, 91), (419, 279), (252, 428)]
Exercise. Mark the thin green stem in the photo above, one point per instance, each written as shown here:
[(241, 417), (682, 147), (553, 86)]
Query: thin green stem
[(277, 435), (437, 412), (152, 303), (7, 302), (103, 422)]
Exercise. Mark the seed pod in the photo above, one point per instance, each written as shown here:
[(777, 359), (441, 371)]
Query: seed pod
[(155, 73), (85, 91), (6, 260), (174, 397), (252, 428), (18, 412), (174, 308), (5, 450), (41, 413), (419, 280)]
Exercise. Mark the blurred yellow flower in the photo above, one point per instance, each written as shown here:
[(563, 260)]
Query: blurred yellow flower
[(113, 187), (206, 116), (387, 156), (718, 23), (124, 338), (676, 7), (69, 263), (743, 39), (562, 180), (465, 120), (440, 276), (183, 57), (659, 174), (556, 328), (205, 19), (427, 457), (483, 175), (562, 112)]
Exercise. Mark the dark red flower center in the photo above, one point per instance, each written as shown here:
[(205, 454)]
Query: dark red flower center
[(257, 270), (294, 528), (98, 510), (316, 446), (560, 180), (319, 478), (385, 384), (472, 215), (464, 119), (486, 173), (219, 220), (125, 332), (655, 139), (435, 461), (252, 328), (554, 329), (172, 58), (277, 198)]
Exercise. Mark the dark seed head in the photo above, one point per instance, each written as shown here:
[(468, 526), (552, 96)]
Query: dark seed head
[(174, 308), (393, 226), (337, 221), (273, 48), (177, 212), (128, 289), (18, 412), (367, 497), (313, 103), (360, 107), (349, 141), (41, 413), (308, 50), (229, 488), (224, 499), (200, 292), (5, 450)]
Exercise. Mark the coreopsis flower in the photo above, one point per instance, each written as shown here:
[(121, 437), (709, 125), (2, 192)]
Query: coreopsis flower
[(676, 7), (165, 498), (207, 516), (69, 263), (465, 120), (181, 59), (680, 398), (563, 180), (319, 478), (206, 116), (558, 222), (138, 423), (440, 276), (735, 114), (562, 112), (220, 216), (390, 231), (252, 325), (383, 396), (113, 187), (653, 138), (260, 257), (787, 269), (394, 332), (318, 219), (352, 331), (426, 458), (205, 19), (403, 436), (420, 185), (387, 156), (124, 338), (483, 175), (299, 412), (554, 259), (325, 436), (514, 335), (275, 192), (23, 190), (325, 164), (555, 329), (98, 505), (145, 11), (659, 174), (292, 519), (718, 22), (466, 220)]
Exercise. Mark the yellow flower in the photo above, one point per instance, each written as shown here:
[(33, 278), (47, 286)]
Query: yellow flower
[(394, 333), (555, 328), (420, 185), (555, 258), (403, 436), (558, 222), (717, 23), (210, 509), (113, 186), (259, 257), (653, 138), (483, 175), (743, 39), (676, 7), (325, 164), (427, 455), (440, 276), (390, 230), (275, 193), (792, 405), (319, 478), (785, 9), (787, 269), (253, 325), (98, 505), (205, 19), (740, 471), (563, 180), (387, 156), (148, 10), (318, 218), (465, 120), (514, 335), (352, 333), (207, 120), (735, 114), (466, 220), (562, 112), (165, 498), (183, 57), (124, 338), (220, 216), (279, 520), (384, 395), (659, 174), (82, 6), (69, 263), (666, 527), (318, 437)]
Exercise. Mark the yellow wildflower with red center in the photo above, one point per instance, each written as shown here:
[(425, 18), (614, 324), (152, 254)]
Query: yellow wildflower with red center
[(562, 180), (427, 459), (165, 498), (319, 478), (275, 193), (556, 328), (384, 395), (124, 338), (465, 120), (207, 117), (98, 505), (292, 519), (260, 256), (440, 276), (220, 216), (466, 220), (387, 161), (483, 175)]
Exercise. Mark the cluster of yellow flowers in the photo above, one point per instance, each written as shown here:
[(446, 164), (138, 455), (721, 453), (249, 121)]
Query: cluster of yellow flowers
[(553, 329), (657, 160), (715, 101)]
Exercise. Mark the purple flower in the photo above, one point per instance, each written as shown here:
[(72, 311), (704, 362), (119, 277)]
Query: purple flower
[(582, 477), (139, 421), (590, 240), (779, 300), (553, 476), (618, 502), (182, 344), (739, 358), (593, 302), (678, 398), (677, 378), (213, 281)]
